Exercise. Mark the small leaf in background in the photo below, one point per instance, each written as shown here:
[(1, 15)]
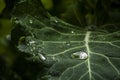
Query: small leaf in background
[(48, 4)]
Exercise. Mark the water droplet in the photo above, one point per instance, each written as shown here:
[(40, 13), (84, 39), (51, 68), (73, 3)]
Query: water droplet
[(31, 21), (53, 19), (28, 44), (72, 32), (8, 37), (34, 48), (42, 57), (16, 21), (80, 55), (32, 42), (56, 21), (68, 43), (31, 49)]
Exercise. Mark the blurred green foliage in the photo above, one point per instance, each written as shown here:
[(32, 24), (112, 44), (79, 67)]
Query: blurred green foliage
[(2, 5), (5, 29)]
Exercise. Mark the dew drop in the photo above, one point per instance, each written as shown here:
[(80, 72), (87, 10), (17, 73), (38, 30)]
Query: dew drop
[(34, 48), (53, 19), (16, 21), (31, 49), (8, 37), (56, 21), (32, 42), (72, 32), (42, 57), (80, 55), (31, 21), (28, 44), (68, 43)]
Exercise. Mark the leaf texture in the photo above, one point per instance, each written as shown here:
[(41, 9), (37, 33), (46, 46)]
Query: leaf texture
[(54, 42)]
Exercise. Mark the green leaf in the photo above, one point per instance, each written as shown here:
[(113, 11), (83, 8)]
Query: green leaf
[(69, 52), (58, 43), (55, 45)]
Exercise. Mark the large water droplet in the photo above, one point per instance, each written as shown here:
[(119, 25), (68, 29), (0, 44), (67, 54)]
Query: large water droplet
[(80, 55), (31, 21), (42, 57)]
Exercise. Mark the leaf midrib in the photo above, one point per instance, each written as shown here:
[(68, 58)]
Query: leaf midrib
[(87, 36)]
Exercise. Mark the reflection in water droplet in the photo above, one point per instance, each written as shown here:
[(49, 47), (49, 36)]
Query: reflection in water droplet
[(42, 57), (31, 21), (80, 55)]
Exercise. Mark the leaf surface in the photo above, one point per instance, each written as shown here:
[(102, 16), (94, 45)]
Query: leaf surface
[(58, 45)]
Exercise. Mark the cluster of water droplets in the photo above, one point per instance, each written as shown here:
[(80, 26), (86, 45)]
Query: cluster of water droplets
[(36, 48)]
